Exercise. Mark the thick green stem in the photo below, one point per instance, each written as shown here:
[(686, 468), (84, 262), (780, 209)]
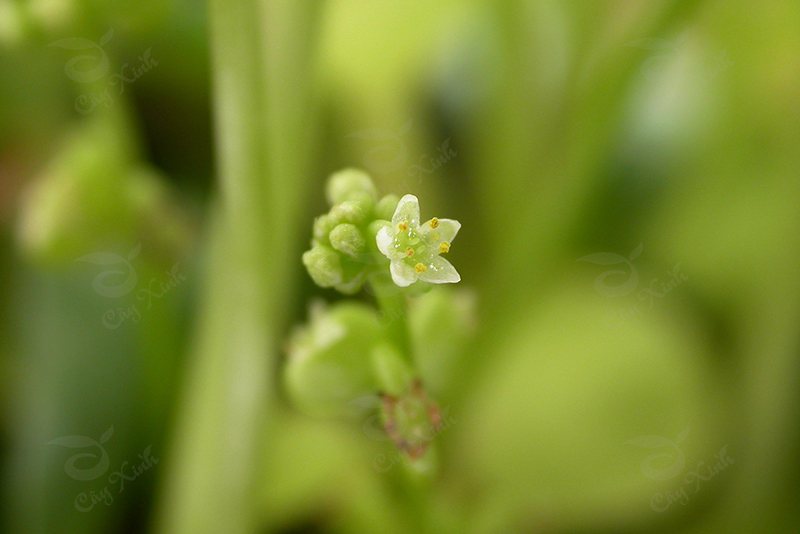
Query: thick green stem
[(226, 400), (259, 59)]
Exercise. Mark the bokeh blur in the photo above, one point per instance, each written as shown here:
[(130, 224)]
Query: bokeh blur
[(627, 178)]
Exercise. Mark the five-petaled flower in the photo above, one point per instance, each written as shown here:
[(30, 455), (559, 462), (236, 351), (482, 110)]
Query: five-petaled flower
[(414, 249)]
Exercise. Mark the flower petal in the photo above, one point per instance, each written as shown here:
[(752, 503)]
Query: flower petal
[(440, 271), (445, 231), (403, 274), (385, 241), (407, 211)]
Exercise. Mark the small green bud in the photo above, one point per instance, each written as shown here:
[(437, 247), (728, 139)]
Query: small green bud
[(373, 229), (336, 257), (386, 206), (322, 227), (324, 265), (365, 199), (349, 211), (329, 366), (350, 184), (392, 372), (348, 239)]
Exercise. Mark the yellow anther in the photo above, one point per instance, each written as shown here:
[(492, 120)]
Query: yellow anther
[(403, 226), (434, 222), (420, 268), (444, 247), (409, 252)]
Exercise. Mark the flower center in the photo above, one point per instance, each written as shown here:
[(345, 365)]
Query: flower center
[(412, 247)]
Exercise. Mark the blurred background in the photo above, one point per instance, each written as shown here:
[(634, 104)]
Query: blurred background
[(626, 174)]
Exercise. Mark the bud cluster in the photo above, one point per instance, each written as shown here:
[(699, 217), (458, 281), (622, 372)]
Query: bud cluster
[(344, 237)]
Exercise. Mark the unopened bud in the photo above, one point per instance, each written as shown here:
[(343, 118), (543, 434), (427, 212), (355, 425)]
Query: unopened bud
[(386, 206), (329, 365), (350, 184), (348, 239), (349, 211), (324, 265)]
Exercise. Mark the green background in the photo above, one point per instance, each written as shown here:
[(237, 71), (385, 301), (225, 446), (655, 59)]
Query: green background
[(664, 132)]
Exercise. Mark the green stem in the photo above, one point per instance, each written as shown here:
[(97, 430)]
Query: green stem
[(392, 302), (259, 58)]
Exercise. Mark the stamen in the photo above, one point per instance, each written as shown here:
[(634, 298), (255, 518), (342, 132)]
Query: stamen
[(444, 247), (434, 222), (420, 268), (403, 226), (409, 252)]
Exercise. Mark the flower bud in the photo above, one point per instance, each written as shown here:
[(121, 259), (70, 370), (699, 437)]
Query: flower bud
[(350, 184), (329, 366), (373, 229), (324, 265), (386, 206), (348, 239), (322, 227), (349, 211), (349, 230)]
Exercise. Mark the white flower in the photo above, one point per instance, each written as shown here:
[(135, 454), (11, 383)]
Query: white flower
[(414, 248)]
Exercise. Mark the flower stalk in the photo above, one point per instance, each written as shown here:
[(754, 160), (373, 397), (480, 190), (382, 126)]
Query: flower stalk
[(383, 245)]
